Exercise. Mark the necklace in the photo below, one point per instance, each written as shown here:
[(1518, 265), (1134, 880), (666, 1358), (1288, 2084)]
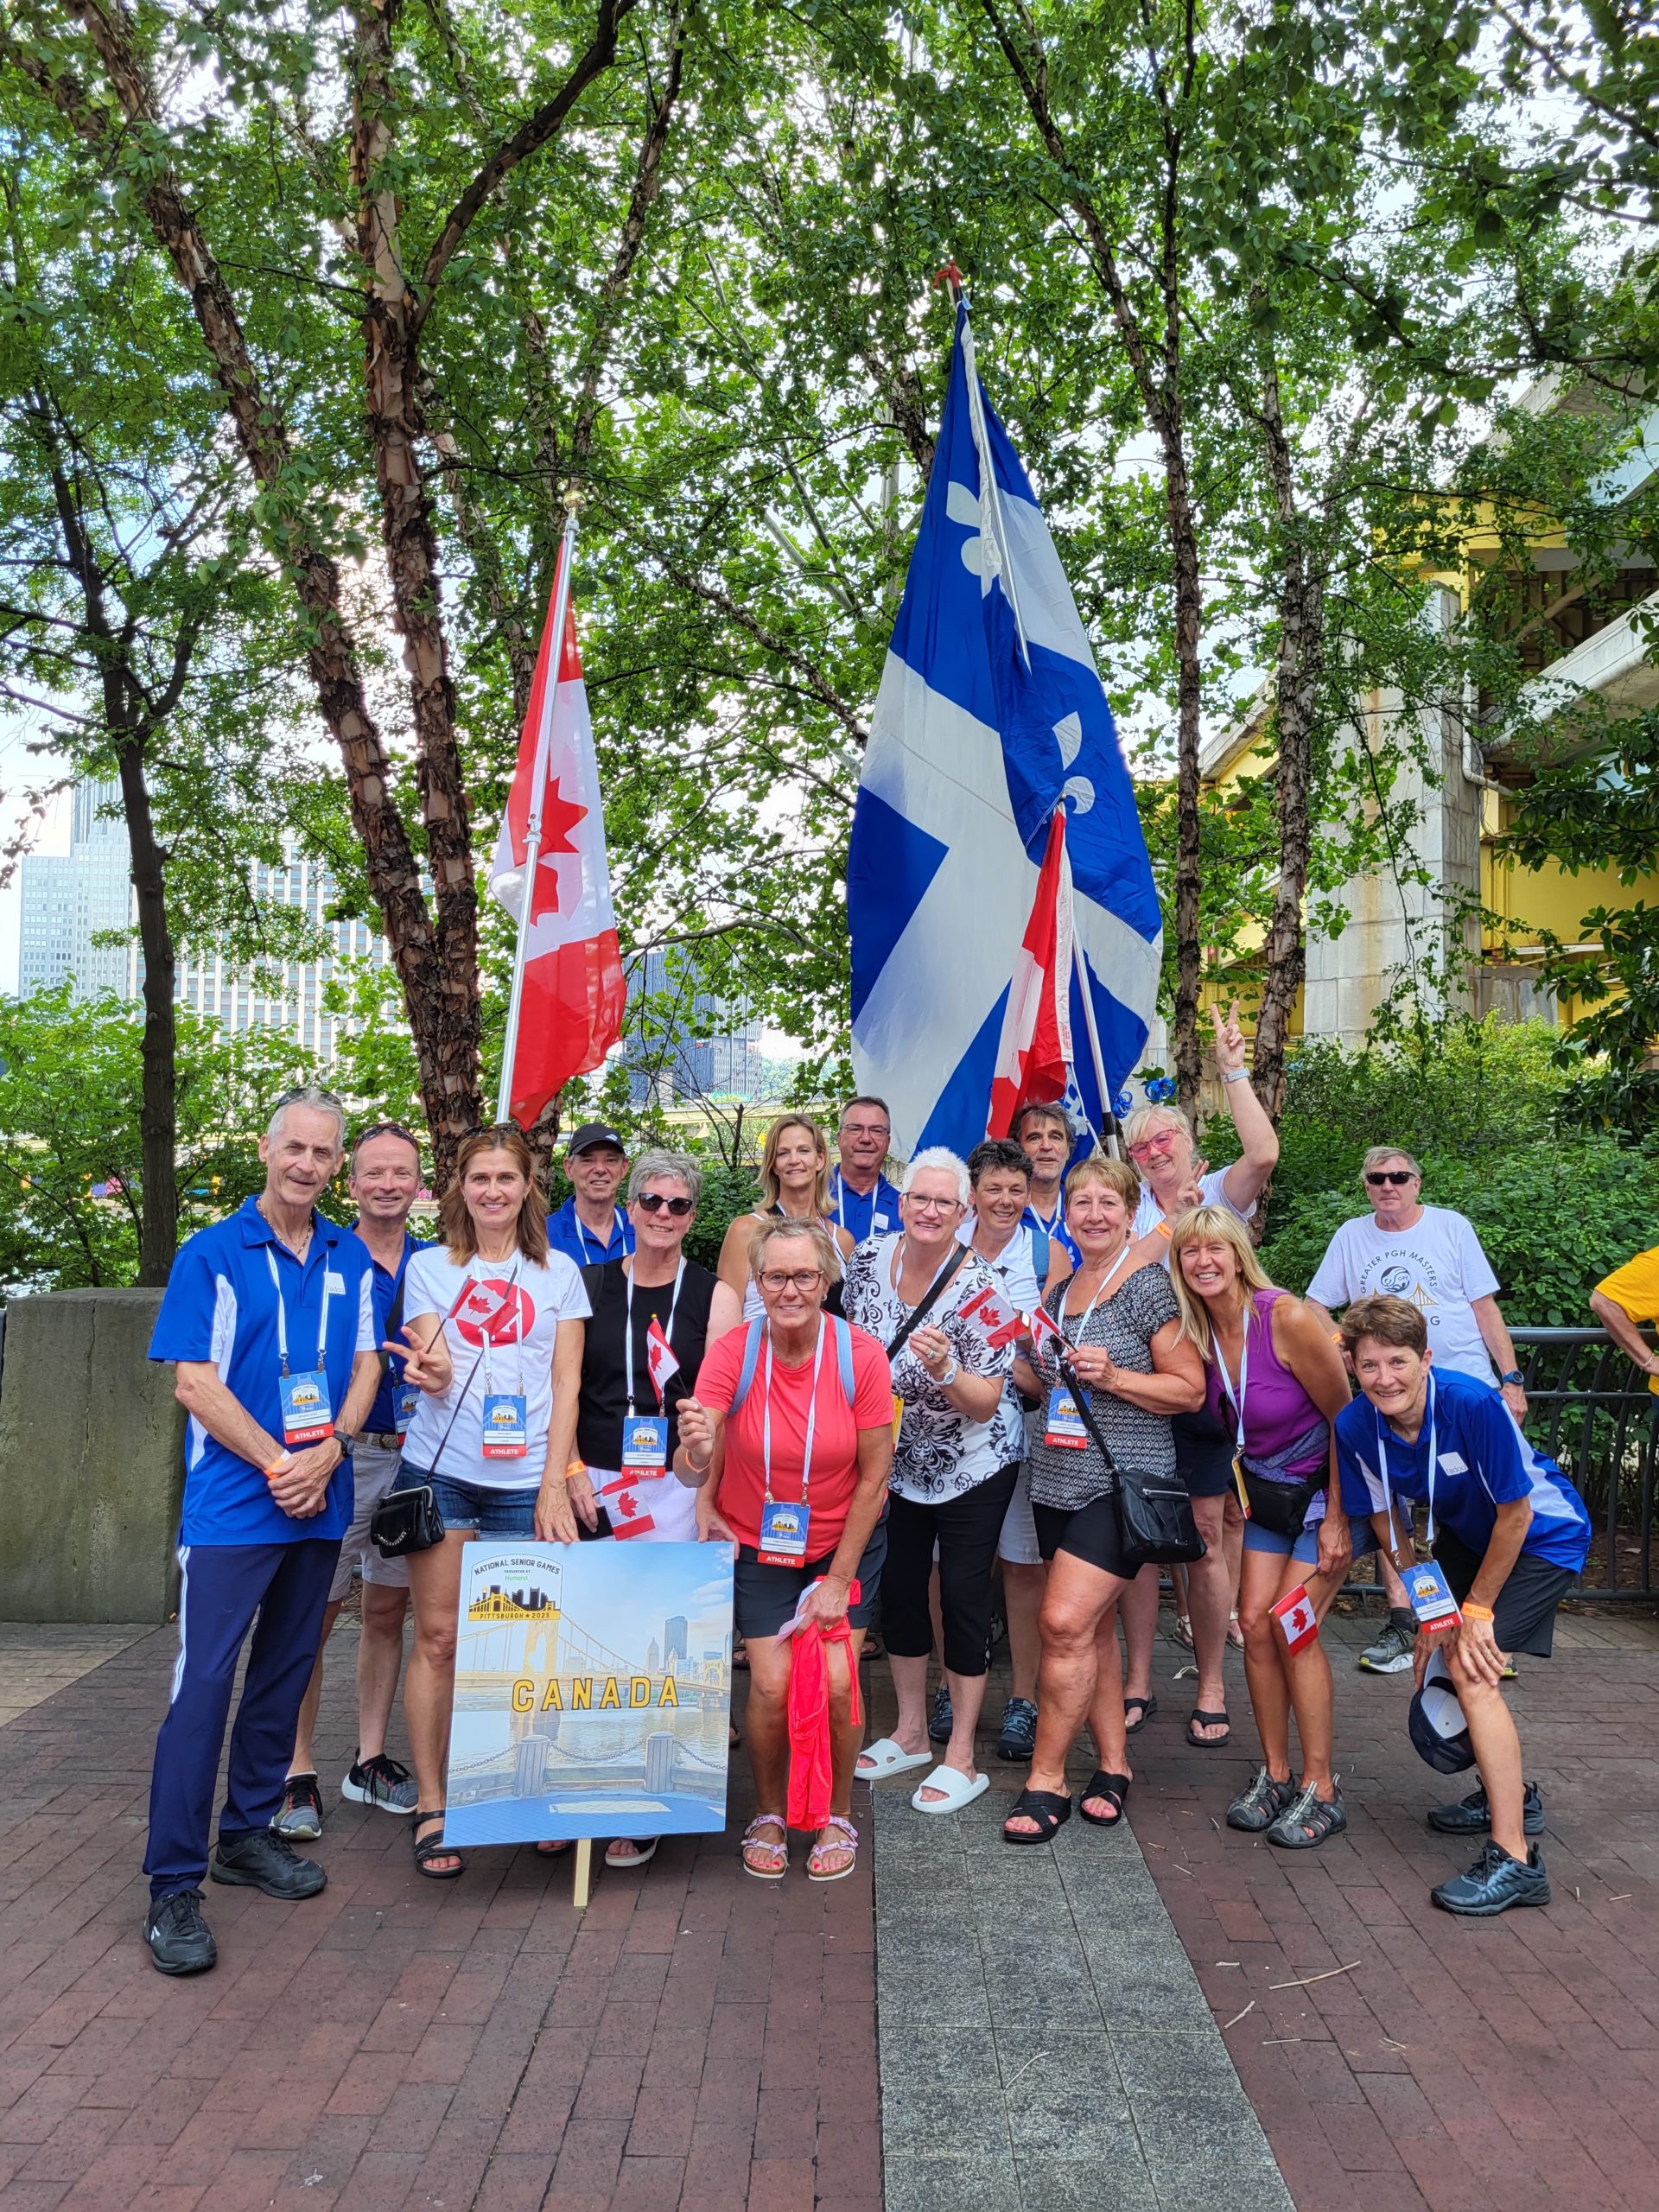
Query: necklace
[(300, 1249)]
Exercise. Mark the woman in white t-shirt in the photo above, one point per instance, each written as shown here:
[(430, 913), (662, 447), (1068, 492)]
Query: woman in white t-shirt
[(1164, 1151), (496, 1324)]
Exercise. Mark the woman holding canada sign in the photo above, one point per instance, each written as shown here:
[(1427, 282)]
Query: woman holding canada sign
[(1277, 1382)]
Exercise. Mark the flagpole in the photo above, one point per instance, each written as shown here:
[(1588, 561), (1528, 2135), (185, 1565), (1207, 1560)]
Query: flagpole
[(1109, 1123), (538, 792), (993, 531)]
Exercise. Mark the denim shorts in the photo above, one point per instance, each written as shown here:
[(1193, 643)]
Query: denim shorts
[(477, 1506), (1304, 1548)]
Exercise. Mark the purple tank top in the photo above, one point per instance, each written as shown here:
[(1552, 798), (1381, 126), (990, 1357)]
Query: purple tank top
[(1277, 1410)]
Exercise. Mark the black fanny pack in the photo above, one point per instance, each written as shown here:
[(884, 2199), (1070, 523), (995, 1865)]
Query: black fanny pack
[(1280, 1507)]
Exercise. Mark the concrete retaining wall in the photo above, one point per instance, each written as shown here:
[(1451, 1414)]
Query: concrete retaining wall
[(92, 1468)]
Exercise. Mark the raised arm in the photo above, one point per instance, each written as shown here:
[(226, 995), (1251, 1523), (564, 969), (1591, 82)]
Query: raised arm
[(1246, 1178)]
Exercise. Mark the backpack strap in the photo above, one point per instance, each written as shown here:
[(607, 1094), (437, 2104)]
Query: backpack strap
[(751, 1360), (844, 1356)]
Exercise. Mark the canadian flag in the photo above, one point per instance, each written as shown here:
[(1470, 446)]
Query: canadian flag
[(1044, 1330), (574, 994), (1298, 1622), (659, 1358), (622, 1502), (1035, 1056), (993, 1318)]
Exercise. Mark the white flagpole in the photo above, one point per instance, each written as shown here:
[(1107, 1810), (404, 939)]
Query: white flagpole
[(1108, 1125), (537, 790)]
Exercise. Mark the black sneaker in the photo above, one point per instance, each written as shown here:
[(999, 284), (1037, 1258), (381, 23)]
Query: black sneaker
[(179, 1939), (269, 1863), (944, 1719), (1494, 1883), (381, 1781), (1261, 1803), (1472, 1815), (1019, 1738), (300, 1815)]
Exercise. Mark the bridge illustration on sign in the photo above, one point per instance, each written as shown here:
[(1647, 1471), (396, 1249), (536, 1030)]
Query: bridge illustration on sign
[(586, 1723)]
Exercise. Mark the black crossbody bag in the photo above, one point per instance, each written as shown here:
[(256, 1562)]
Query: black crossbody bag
[(410, 1520), (930, 1298)]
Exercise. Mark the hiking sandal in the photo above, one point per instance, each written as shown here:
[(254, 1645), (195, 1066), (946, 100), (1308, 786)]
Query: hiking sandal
[(1305, 1824), (429, 1847)]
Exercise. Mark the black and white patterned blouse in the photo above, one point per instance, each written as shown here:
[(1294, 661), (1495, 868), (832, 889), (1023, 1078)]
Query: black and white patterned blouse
[(941, 1452), (1124, 1326)]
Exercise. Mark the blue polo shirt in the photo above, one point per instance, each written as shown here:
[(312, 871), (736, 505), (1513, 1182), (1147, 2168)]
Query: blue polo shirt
[(1482, 1461), (221, 1305), (874, 1212), (568, 1234), (382, 1413), (1055, 1230)]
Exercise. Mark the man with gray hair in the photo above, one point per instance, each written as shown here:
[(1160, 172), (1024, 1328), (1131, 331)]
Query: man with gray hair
[(268, 1319), (1432, 1256)]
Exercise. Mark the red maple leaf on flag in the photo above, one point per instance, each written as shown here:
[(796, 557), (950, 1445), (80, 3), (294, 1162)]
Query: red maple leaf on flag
[(560, 816)]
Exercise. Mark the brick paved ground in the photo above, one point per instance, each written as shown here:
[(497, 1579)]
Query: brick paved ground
[(1510, 2064), (698, 2040)]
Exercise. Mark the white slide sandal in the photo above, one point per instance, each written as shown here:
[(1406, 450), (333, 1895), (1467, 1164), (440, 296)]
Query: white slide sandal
[(958, 1790), (879, 1761)]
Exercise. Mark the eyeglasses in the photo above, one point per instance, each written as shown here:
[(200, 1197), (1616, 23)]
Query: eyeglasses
[(803, 1279), (932, 1205), (654, 1202), (1379, 1175), (866, 1129), (1163, 1142)]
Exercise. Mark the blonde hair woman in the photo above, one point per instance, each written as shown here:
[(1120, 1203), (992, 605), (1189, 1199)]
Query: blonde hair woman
[(794, 1186), (1275, 1382)]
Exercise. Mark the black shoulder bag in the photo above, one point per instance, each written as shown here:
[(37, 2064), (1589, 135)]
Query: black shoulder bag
[(1154, 1514), (410, 1520)]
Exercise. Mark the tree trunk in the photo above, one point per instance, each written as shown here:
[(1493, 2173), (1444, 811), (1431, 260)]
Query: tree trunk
[(158, 1114), (1297, 673)]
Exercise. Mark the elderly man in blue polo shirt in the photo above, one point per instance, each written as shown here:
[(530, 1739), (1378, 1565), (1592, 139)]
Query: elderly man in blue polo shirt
[(863, 1200), (590, 1227), (269, 1320)]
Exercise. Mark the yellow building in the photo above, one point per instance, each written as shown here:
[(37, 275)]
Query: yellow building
[(1583, 643)]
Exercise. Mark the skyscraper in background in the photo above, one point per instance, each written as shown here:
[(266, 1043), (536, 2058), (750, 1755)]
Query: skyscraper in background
[(683, 1042), (70, 900)]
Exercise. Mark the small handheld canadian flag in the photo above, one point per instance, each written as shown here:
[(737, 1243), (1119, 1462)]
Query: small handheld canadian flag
[(1043, 1330), (659, 1358), (1298, 1622), (622, 1502), (993, 1316)]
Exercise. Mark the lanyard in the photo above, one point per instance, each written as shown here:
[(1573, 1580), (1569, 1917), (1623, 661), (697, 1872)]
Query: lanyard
[(841, 1203), (281, 1313), (668, 1325), (1099, 1294), (473, 1283), (581, 1231), (1382, 1456), (1051, 1227), (811, 1416), (1237, 1397)]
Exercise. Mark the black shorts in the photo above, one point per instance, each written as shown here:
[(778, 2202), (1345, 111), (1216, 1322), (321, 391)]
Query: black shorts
[(1523, 1617), (764, 1598), (1091, 1533), (1203, 1453)]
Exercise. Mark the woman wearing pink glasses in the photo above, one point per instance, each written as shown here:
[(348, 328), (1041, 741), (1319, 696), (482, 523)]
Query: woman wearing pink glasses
[(1161, 1145)]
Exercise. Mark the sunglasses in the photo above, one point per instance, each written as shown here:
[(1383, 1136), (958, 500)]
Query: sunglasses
[(295, 1091), (386, 1129), (1390, 1175), (1163, 1141), (654, 1202)]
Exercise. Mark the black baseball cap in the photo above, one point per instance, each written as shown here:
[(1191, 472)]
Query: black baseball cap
[(589, 1135)]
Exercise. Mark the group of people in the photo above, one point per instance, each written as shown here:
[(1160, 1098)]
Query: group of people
[(883, 1392)]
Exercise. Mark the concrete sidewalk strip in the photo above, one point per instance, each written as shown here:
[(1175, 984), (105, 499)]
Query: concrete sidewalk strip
[(1044, 2039)]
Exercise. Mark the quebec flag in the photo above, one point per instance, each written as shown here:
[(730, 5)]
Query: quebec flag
[(990, 713)]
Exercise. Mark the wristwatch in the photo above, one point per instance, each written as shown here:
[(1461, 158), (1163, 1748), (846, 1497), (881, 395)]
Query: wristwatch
[(1514, 1376), (951, 1372)]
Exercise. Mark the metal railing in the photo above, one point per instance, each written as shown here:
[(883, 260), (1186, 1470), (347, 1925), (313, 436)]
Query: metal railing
[(1592, 1411)]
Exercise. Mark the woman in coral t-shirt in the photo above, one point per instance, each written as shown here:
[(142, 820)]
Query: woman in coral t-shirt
[(788, 1441)]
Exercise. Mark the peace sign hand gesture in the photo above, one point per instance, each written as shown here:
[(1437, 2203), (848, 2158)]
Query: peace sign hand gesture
[(1229, 1040)]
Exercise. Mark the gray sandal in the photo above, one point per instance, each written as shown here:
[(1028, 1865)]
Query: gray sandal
[(1305, 1824)]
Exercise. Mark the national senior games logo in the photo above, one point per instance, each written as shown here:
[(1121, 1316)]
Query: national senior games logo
[(519, 1588), (504, 1312)]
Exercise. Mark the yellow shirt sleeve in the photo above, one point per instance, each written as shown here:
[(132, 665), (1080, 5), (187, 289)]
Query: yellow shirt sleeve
[(1635, 1287)]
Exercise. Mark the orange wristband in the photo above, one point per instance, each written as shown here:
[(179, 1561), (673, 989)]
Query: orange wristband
[(277, 1466), (1471, 1612)]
